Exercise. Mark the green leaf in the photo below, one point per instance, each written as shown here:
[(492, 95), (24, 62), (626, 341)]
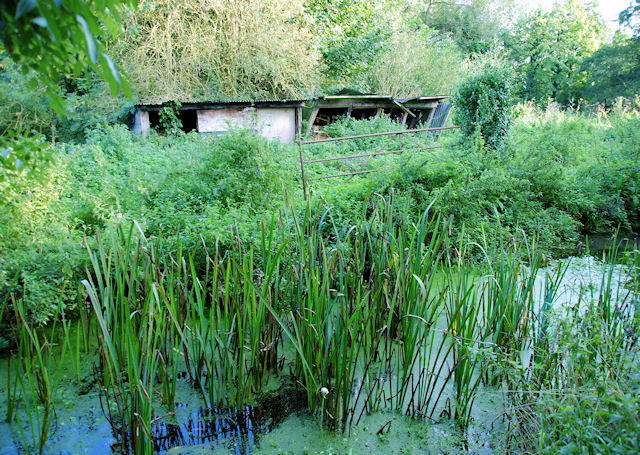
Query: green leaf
[(41, 21), (91, 44), (112, 67), (24, 7)]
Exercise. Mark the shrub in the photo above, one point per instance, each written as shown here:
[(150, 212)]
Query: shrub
[(483, 102)]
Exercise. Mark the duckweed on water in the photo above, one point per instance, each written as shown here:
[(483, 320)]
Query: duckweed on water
[(382, 338)]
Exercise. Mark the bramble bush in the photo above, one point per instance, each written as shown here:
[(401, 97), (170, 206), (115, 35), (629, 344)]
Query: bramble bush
[(483, 103)]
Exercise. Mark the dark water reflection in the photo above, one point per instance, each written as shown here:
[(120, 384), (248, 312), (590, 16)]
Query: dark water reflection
[(213, 427), (235, 429)]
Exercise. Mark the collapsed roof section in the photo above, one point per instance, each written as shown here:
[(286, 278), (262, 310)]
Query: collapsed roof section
[(426, 111)]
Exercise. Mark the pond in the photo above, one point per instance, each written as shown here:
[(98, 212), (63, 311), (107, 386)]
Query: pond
[(277, 420)]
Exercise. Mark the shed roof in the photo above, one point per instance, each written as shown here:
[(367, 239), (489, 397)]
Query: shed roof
[(383, 98), (374, 98), (213, 104)]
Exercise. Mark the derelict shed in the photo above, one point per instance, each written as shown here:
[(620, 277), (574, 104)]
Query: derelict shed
[(427, 111), (273, 119)]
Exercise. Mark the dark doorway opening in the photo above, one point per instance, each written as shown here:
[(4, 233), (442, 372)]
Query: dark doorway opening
[(154, 120), (189, 119), (363, 114)]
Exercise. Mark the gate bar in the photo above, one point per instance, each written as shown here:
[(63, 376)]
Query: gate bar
[(345, 175), (343, 138), (336, 158)]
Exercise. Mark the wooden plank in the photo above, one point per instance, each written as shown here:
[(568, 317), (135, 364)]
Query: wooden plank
[(298, 122), (414, 121), (312, 120), (406, 110), (414, 105), (358, 104), (430, 118)]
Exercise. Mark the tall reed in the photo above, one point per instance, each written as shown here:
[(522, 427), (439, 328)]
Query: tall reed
[(133, 326), (364, 321), (38, 376), (464, 315)]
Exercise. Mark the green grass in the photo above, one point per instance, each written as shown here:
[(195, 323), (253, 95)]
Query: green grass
[(406, 291)]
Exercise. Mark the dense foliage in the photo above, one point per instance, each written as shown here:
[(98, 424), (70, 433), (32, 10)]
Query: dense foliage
[(549, 170), (349, 34), (613, 71), (226, 49), (550, 47), (55, 39), (416, 63), (483, 105), (476, 26), (560, 175)]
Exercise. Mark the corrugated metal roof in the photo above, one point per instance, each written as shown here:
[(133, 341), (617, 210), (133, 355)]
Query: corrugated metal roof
[(357, 97), (241, 102), (423, 98), (284, 102), (384, 98)]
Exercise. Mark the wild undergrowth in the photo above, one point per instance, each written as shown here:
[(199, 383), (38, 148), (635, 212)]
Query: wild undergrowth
[(560, 175), (578, 389)]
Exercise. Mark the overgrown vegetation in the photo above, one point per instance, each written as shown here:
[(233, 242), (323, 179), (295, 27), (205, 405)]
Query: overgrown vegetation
[(484, 104), (181, 259), (550, 180)]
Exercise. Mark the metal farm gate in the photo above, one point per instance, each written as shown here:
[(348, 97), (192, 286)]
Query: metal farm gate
[(394, 135)]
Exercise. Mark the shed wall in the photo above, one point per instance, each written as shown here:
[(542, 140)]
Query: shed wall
[(220, 120), (277, 123), (272, 123), (141, 122)]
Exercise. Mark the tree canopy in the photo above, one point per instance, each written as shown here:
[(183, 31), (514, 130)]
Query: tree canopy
[(549, 48), (51, 39), (54, 38), (194, 50), (349, 34), (631, 17), (614, 71), (476, 25)]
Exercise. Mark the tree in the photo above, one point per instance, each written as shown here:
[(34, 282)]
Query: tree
[(476, 25), (417, 63), (191, 49), (614, 71), (349, 34), (615, 68), (631, 17), (549, 49), (54, 38), (50, 39)]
